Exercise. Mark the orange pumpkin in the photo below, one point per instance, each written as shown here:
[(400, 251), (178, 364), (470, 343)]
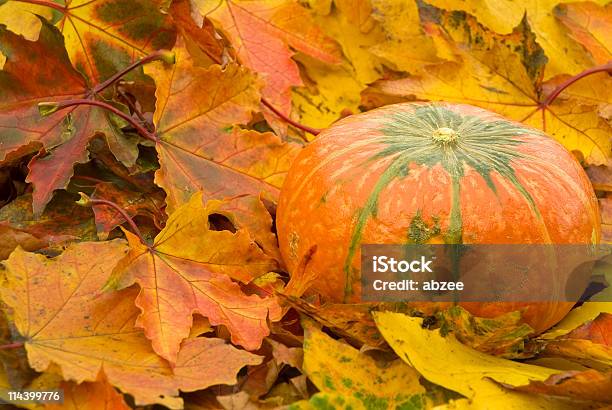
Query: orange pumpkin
[(431, 173)]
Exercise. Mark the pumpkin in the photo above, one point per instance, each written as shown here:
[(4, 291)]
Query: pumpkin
[(430, 173)]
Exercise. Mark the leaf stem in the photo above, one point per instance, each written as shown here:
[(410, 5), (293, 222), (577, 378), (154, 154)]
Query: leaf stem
[(85, 101), (132, 106), (163, 55), (561, 87), (313, 131), (50, 4), (87, 201), (11, 346)]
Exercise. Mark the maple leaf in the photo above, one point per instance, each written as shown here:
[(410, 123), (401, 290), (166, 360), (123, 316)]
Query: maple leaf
[(63, 221), (23, 18), (590, 25), (62, 136), (588, 385), (90, 396), (261, 31), (250, 212), (502, 16), (400, 20), (134, 203), (200, 38), (64, 320), (104, 36), (187, 270), (491, 75), (199, 150)]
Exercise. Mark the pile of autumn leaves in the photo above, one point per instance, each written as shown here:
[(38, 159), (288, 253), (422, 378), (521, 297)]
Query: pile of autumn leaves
[(189, 295)]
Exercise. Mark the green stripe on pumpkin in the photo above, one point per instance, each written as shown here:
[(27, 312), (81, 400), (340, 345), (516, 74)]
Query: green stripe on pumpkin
[(431, 135)]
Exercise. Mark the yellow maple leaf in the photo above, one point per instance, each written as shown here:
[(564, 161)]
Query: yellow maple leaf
[(565, 55), (492, 75)]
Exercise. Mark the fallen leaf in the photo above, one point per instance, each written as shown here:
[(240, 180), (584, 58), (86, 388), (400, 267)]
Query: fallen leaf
[(447, 362), (330, 400), (23, 18), (292, 356), (338, 368), (401, 22), (589, 385), (199, 150), (11, 237), (589, 24), (332, 91), (605, 207), (352, 321), (503, 336), (577, 317), (90, 396), (261, 31), (492, 75), (132, 202), (328, 93), (564, 56), (249, 212), (202, 41), (593, 355), (351, 24), (187, 270), (63, 221), (66, 321), (601, 177), (63, 136), (104, 36), (599, 330)]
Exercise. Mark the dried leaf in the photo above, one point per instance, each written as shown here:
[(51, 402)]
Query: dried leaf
[(187, 270), (493, 76), (589, 385), (132, 202), (577, 317), (65, 320), (353, 321), (90, 396), (104, 36), (336, 367), (564, 56), (590, 25), (599, 330), (63, 221), (447, 362), (198, 148), (503, 336), (64, 135), (261, 32)]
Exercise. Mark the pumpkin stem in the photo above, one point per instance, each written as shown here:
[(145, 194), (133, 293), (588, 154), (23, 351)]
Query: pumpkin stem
[(445, 135)]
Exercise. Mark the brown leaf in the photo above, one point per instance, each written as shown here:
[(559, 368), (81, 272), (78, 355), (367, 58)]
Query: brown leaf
[(132, 202), (588, 385), (502, 336), (63, 221), (352, 321)]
